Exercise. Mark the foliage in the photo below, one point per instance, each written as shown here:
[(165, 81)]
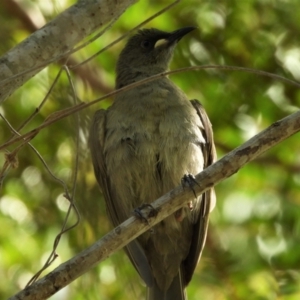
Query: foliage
[(253, 240)]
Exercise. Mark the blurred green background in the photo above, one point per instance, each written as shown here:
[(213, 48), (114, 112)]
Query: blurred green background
[(253, 246)]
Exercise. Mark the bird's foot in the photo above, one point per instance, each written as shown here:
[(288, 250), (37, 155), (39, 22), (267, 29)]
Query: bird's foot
[(144, 212), (188, 180)]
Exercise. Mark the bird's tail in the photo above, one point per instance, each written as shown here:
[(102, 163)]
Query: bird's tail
[(176, 291)]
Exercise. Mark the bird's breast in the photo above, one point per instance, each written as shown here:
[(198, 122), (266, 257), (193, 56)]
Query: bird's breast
[(152, 138)]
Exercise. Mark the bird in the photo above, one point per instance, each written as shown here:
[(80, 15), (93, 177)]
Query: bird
[(142, 146)]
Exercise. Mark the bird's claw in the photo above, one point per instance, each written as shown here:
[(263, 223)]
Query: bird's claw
[(144, 212), (188, 180)]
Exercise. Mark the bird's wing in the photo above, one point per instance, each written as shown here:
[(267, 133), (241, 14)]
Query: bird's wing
[(96, 143), (207, 198)]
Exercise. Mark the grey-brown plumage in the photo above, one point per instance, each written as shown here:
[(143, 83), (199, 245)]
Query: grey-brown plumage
[(141, 148)]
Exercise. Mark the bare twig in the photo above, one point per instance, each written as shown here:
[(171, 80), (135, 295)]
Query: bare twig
[(12, 158), (68, 111), (71, 198), (53, 255)]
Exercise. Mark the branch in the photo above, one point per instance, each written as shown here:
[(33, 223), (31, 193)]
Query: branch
[(88, 74), (55, 40), (68, 111), (166, 205)]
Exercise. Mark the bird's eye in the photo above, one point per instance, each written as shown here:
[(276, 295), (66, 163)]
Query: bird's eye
[(146, 44)]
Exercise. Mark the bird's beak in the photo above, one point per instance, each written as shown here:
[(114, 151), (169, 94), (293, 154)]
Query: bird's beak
[(174, 36)]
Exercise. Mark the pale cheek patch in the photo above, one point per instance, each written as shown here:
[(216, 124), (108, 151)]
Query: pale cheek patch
[(160, 42)]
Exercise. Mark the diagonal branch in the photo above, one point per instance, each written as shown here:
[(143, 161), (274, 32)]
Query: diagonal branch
[(166, 205), (55, 40), (68, 111)]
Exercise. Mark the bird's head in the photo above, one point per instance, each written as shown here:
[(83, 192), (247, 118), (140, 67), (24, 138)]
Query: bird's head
[(147, 53)]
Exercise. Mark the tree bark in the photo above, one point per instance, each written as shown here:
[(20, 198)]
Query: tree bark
[(54, 41)]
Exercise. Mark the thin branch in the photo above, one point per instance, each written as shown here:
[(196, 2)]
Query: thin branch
[(68, 111), (11, 158), (166, 205), (71, 198)]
